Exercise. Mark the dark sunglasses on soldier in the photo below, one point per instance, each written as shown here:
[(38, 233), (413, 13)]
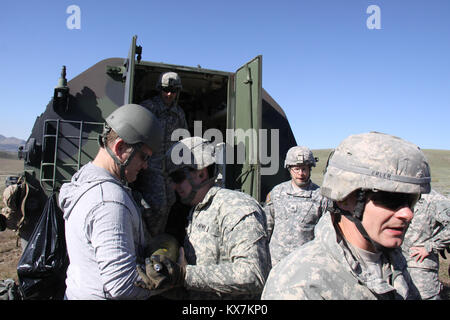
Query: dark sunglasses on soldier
[(394, 201), (169, 89), (178, 176), (143, 156)]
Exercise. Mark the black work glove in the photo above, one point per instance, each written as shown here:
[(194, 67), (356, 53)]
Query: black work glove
[(161, 273)]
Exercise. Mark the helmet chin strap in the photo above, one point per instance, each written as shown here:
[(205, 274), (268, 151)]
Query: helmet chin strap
[(175, 102), (122, 166), (356, 217), (194, 187)]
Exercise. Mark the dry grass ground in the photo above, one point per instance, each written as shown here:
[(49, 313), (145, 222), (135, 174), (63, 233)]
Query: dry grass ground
[(10, 253)]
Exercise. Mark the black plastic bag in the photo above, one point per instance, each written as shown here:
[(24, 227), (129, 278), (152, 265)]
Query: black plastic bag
[(43, 265)]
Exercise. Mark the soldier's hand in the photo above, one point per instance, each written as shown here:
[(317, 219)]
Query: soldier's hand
[(420, 253), (161, 273), (173, 272), (150, 279)]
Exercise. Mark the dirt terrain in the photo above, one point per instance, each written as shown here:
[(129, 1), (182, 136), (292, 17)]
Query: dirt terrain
[(10, 252)]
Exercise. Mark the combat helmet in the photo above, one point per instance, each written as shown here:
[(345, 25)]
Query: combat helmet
[(299, 155), (193, 153), (375, 161), (136, 126), (169, 79)]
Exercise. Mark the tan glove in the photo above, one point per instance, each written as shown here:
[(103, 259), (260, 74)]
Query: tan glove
[(161, 273), (150, 279)]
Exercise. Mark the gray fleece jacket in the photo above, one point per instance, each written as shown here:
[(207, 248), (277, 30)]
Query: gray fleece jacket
[(104, 235)]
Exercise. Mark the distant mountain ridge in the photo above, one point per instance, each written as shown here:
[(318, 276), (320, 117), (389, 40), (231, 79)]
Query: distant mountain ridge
[(10, 143)]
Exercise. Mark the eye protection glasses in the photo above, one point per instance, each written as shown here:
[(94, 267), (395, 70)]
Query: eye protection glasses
[(394, 201), (178, 176), (142, 155), (297, 169), (170, 89)]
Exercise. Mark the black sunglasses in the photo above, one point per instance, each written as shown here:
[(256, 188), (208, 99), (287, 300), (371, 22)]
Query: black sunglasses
[(144, 157), (169, 89), (393, 200), (178, 176)]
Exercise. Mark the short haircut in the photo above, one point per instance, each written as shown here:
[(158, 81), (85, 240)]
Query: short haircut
[(111, 137)]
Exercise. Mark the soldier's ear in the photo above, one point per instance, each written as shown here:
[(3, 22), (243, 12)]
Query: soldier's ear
[(120, 148)]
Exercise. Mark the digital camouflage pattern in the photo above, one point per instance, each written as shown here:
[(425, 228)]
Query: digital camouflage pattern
[(11, 206), (430, 228), (226, 247), (22, 206), (152, 182), (9, 290), (299, 155), (292, 216), (375, 161), (195, 152), (169, 79), (326, 268)]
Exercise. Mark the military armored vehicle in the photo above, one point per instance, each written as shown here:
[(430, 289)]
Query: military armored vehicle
[(65, 135)]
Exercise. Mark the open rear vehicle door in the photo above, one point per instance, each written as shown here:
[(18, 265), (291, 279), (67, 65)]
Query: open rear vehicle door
[(247, 122)]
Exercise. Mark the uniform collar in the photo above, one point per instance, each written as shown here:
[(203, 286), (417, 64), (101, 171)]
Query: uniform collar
[(305, 191), (208, 197), (343, 254)]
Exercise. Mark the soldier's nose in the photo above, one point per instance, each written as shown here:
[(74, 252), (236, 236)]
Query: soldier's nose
[(405, 213)]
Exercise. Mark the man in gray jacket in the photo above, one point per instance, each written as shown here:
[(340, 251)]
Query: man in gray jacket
[(374, 180), (104, 230)]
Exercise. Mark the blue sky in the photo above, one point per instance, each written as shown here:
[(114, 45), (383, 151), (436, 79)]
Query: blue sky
[(331, 74)]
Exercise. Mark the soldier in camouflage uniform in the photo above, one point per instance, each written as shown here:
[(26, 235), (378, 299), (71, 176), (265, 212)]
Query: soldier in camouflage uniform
[(374, 180), (152, 182), (293, 207), (226, 247), (428, 234)]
